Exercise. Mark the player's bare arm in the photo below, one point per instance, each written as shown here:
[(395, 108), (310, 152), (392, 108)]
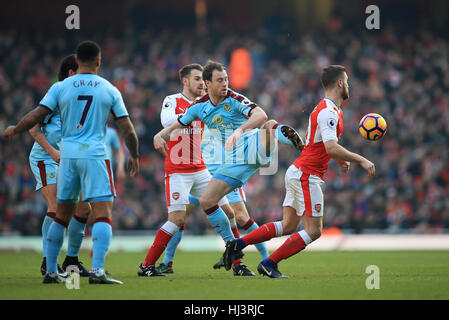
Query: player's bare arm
[(132, 142), (120, 156), (338, 152), (41, 139), (161, 138), (33, 117), (256, 119)]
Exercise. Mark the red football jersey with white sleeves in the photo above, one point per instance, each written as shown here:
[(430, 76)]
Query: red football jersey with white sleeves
[(184, 154), (325, 124)]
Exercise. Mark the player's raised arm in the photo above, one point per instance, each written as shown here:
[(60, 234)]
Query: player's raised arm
[(41, 139), (257, 117), (340, 153), (33, 117), (132, 142)]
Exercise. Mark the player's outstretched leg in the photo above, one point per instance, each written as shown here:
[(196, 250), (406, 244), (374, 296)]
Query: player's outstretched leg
[(270, 230), (264, 233), (284, 134), (250, 226)]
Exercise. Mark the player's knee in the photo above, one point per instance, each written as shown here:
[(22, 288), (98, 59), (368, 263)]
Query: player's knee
[(241, 217), (84, 210), (207, 203), (269, 124), (241, 220), (179, 221)]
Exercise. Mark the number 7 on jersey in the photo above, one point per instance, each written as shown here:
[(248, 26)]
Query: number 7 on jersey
[(88, 99)]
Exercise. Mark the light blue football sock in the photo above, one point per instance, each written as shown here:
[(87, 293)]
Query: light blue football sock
[(194, 200), (220, 222), (101, 238), (171, 247), (75, 234), (55, 239), (45, 226), (280, 136), (261, 247)]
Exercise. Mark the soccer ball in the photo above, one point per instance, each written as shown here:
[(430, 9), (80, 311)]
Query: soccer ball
[(372, 126)]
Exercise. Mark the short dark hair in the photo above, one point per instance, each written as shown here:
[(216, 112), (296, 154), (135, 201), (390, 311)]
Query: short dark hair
[(209, 69), (185, 71), (87, 51), (331, 74), (68, 63)]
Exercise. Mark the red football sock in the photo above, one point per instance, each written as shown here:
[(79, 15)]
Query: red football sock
[(236, 262), (159, 245), (261, 234), (291, 246), (235, 232)]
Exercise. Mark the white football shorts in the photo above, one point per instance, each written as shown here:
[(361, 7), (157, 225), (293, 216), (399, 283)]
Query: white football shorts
[(303, 192), (178, 186)]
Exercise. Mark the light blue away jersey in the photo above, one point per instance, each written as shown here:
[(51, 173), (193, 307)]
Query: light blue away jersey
[(84, 101), (212, 147), (52, 130), (112, 142), (225, 117)]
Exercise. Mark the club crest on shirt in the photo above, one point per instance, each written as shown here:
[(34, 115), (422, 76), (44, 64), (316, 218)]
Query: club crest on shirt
[(52, 175), (226, 107), (318, 207), (175, 195), (217, 119)]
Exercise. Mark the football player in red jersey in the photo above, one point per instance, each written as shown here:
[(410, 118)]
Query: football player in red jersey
[(304, 197)]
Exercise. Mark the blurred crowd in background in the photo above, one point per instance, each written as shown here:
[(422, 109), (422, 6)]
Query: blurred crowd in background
[(404, 76)]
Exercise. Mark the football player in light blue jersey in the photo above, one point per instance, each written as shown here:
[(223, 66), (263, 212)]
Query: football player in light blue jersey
[(238, 121), (85, 101), (236, 198), (44, 162)]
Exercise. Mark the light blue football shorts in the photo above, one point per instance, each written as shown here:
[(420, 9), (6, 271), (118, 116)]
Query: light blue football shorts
[(236, 195), (92, 177), (247, 157), (44, 171)]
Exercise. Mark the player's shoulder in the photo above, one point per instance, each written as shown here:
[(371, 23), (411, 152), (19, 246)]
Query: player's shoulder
[(234, 95), (172, 98), (200, 101), (176, 100), (57, 85), (326, 108), (238, 98), (108, 84)]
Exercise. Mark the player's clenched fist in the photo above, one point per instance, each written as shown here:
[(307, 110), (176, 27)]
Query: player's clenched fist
[(160, 144), (9, 132), (232, 140)]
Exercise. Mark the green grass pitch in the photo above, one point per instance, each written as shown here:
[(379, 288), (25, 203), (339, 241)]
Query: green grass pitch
[(314, 275)]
